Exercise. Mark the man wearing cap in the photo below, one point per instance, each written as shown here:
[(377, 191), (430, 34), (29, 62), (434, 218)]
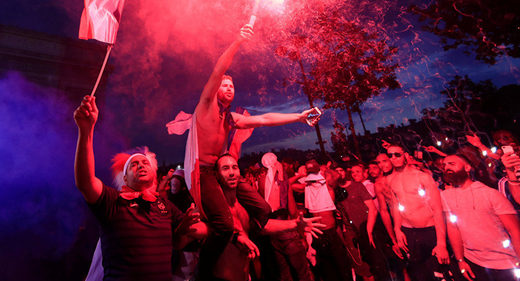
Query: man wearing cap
[(139, 229)]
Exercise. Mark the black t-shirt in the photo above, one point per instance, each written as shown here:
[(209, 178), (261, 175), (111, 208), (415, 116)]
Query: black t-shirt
[(136, 236), (354, 204)]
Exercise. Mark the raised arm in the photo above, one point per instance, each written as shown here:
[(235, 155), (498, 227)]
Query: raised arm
[(210, 89), (85, 117), (269, 119)]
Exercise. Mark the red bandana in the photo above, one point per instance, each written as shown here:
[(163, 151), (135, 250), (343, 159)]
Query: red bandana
[(148, 194)]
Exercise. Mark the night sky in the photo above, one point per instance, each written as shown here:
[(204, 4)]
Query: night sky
[(164, 53)]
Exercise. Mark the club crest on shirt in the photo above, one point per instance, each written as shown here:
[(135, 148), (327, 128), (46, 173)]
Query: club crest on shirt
[(162, 207)]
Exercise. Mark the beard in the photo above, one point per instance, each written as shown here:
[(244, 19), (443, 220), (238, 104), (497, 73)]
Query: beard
[(455, 178)]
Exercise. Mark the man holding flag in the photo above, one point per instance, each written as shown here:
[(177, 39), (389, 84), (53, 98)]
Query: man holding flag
[(210, 136)]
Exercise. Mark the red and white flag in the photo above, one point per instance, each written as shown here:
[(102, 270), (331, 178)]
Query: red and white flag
[(100, 20)]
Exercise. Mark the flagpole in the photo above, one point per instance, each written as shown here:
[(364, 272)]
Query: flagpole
[(109, 48)]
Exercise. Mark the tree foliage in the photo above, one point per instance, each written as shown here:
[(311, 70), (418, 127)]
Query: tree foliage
[(348, 64), (490, 28)]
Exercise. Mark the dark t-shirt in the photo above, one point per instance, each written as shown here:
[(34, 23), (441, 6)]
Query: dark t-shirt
[(136, 236), (354, 204)]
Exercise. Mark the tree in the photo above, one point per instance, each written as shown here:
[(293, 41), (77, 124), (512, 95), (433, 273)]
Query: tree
[(348, 63), (490, 28)]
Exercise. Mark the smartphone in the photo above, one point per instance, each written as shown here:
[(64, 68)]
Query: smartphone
[(507, 149), (313, 116)]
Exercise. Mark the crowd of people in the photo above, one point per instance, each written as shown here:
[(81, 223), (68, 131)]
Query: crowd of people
[(396, 217)]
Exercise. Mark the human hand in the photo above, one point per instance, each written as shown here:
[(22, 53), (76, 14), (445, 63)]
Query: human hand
[(397, 251), (309, 225), (312, 120), (86, 114), (442, 254), (430, 149), (510, 161), (385, 144), (474, 140), (465, 270), (164, 180), (247, 245), (190, 218), (311, 256), (246, 33), (401, 241)]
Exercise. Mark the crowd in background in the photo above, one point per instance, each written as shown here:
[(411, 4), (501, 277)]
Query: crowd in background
[(369, 232)]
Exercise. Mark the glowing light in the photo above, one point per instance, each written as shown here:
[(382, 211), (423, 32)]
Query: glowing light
[(484, 152), (490, 164), (446, 139), (494, 149), (453, 218), (401, 207), (422, 192), (516, 271), (506, 243), (439, 143)]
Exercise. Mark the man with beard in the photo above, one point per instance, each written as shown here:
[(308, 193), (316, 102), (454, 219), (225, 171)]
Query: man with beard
[(233, 264), (483, 228), (416, 208)]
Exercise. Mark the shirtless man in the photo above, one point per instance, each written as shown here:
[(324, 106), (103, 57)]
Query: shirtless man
[(419, 224), (383, 195), (213, 124)]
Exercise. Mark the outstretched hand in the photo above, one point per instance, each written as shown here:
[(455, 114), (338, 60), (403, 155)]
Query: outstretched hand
[(164, 181), (305, 115), (190, 218), (86, 114), (246, 33), (474, 140), (310, 225)]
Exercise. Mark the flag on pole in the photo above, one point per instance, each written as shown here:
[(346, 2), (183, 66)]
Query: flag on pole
[(100, 20)]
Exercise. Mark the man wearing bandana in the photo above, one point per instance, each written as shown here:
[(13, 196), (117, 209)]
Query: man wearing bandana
[(138, 228), (482, 225), (213, 123)]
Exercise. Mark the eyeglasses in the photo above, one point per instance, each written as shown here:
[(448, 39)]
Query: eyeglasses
[(396, 154)]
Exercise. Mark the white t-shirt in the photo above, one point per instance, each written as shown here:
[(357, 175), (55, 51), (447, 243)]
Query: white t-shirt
[(317, 196), (477, 209)]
